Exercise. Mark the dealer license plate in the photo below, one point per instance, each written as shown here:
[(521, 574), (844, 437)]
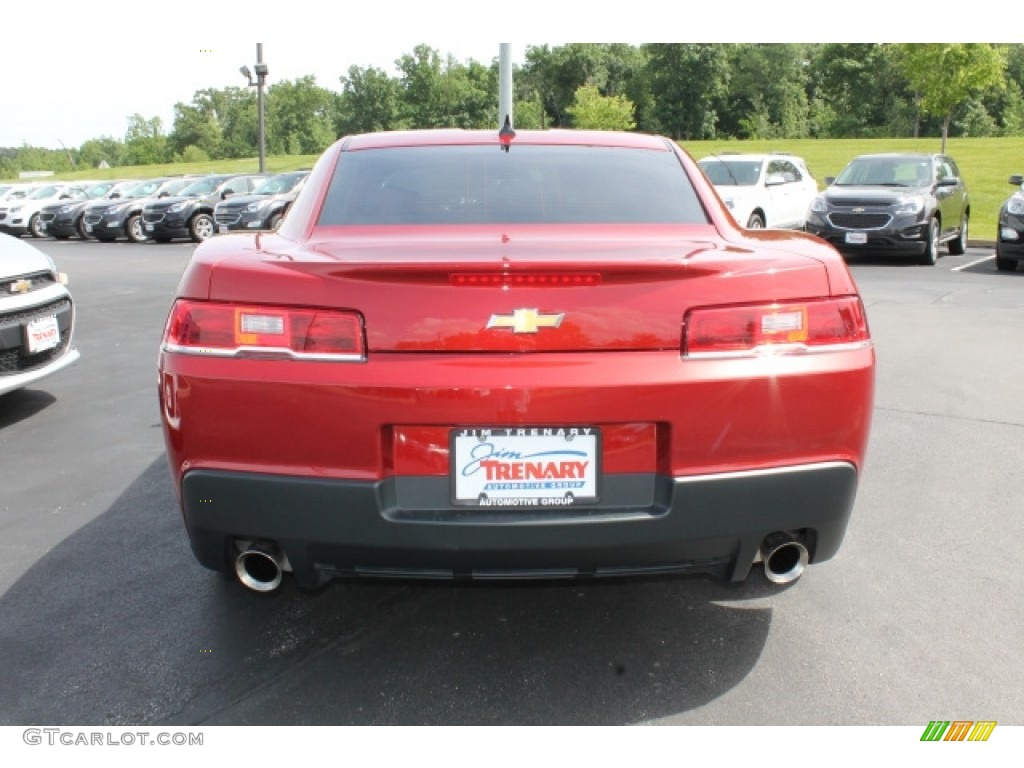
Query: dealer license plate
[(149, 227), (88, 227), (857, 238), (42, 334), (525, 466)]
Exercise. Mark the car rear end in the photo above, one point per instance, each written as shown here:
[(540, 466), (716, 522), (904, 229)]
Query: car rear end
[(543, 363)]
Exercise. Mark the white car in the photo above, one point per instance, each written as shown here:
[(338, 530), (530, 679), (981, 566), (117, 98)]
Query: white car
[(37, 316), (773, 190), (21, 216)]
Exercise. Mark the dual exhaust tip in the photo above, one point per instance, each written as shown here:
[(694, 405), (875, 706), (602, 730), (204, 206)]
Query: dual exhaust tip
[(784, 558), (260, 565)]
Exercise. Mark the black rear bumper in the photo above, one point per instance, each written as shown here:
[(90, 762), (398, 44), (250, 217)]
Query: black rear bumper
[(407, 527)]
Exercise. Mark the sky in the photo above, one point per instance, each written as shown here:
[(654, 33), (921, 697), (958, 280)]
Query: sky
[(74, 70)]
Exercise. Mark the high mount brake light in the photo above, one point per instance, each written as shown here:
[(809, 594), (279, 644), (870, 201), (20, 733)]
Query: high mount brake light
[(791, 328), (535, 279), (229, 330)]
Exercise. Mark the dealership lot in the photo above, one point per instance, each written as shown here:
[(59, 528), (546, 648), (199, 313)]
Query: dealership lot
[(108, 618)]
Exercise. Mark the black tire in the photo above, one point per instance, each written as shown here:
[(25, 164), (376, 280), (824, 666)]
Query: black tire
[(930, 257), (1005, 265), (755, 221), (35, 226), (134, 230), (275, 221), (958, 246), (201, 227), (80, 228)]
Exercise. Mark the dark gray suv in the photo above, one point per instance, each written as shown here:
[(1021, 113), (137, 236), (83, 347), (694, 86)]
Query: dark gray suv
[(899, 204)]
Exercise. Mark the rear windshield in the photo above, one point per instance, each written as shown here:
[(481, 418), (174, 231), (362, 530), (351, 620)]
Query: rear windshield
[(529, 184)]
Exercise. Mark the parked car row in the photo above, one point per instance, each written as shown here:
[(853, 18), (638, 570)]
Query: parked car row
[(905, 204), (161, 209)]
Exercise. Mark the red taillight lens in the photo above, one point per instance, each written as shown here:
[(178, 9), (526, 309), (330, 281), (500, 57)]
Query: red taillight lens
[(797, 326), (200, 327)]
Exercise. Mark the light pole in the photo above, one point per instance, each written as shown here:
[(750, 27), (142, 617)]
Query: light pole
[(261, 79)]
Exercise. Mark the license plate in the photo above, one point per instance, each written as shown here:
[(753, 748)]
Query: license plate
[(149, 227), (857, 238), (525, 466), (88, 227), (42, 334)]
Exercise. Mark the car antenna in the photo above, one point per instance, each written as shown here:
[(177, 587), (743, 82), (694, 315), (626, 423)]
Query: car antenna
[(506, 134)]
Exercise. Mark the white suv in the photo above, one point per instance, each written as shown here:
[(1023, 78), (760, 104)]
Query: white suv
[(773, 190)]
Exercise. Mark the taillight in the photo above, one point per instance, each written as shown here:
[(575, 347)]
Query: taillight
[(207, 328), (809, 326)]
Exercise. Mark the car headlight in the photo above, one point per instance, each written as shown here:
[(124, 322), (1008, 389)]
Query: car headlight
[(257, 206), (1015, 205), (114, 210), (65, 209), (819, 204), (177, 207), (17, 209), (912, 205)]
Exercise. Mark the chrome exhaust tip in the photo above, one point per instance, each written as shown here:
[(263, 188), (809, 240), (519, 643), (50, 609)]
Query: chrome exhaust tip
[(259, 567), (784, 558)]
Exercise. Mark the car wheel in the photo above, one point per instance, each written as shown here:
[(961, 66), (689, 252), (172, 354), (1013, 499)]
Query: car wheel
[(275, 221), (930, 257), (201, 227), (35, 226), (755, 221), (133, 228), (958, 246), (1004, 265), (80, 228)]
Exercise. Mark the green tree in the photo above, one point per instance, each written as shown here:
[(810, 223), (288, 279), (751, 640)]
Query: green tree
[(604, 113), (104, 149), (554, 74), (145, 142), (944, 75), (767, 91), (300, 117), (863, 89), (687, 82), (369, 101)]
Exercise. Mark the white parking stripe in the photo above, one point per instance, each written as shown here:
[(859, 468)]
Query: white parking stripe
[(976, 261)]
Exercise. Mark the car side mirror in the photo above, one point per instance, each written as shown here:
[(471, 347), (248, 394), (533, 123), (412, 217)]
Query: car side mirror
[(1017, 180), (829, 181), (224, 194)]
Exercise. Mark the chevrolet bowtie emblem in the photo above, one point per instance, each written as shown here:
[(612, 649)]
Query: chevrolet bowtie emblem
[(525, 321), (21, 286)]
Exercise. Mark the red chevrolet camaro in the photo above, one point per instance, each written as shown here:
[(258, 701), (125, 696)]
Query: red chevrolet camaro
[(551, 355)]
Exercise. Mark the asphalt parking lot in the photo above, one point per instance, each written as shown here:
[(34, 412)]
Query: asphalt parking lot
[(109, 620)]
